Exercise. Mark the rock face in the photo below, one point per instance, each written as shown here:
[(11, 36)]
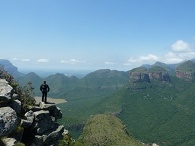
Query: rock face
[(159, 74), (41, 120), (6, 64), (141, 74), (8, 121), (39, 124), (186, 71), (37, 127), (5, 92)]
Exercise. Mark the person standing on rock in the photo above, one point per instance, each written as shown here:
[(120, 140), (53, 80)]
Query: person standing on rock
[(44, 88)]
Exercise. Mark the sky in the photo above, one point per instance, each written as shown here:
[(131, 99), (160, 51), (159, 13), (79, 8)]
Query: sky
[(96, 34)]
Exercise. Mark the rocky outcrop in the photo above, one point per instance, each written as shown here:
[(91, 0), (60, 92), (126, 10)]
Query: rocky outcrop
[(38, 126), (186, 75), (142, 74), (139, 75), (5, 92), (159, 74), (186, 71), (41, 120)]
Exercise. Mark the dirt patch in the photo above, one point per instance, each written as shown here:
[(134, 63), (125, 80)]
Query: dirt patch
[(51, 100)]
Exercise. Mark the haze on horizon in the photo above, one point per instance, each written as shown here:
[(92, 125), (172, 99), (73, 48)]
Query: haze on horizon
[(86, 34)]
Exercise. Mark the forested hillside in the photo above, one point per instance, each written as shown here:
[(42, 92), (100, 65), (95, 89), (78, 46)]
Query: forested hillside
[(156, 106)]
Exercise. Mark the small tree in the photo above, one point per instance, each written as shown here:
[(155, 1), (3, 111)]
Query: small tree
[(25, 94)]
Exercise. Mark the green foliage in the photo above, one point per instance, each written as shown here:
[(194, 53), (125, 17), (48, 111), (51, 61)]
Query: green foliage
[(68, 141), (158, 114), (155, 112), (20, 144), (106, 129), (5, 75), (157, 69), (25, 94), (139, 69), (186, 66), (17, 131)]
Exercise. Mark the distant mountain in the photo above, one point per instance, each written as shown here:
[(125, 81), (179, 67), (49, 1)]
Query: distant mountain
[(105, 78), (169, 67), (7, 65), (154, 109), (58, 83), (186, 71), (33, 78), (193, 60), (159, 112), (142, 74)]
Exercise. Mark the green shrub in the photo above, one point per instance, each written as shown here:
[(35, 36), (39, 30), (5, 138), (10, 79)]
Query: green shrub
[(20, 144), (25, 95)]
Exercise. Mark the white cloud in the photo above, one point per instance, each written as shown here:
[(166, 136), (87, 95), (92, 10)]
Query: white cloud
[(177, 57), (25, 60), (14, 59), (109, 63), (179, 51), (43, 60), (72, 61), (150, 58), (180, 46)]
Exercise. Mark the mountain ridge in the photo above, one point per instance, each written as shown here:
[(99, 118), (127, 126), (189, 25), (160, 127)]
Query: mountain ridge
[(151, 111)]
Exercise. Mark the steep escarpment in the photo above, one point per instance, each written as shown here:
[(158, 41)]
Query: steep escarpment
[(142, 74), (186, 71), (7, 65), (139, 74)]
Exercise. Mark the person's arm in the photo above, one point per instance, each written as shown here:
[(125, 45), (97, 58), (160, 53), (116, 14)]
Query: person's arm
[(41, 87), (48, 88)]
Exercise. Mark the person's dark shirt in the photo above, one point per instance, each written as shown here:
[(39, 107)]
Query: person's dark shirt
[(44, 88)]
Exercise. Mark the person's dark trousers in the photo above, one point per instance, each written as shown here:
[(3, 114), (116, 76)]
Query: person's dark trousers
[(44, 97)]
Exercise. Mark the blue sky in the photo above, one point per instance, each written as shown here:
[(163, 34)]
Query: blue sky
[(96, 34)]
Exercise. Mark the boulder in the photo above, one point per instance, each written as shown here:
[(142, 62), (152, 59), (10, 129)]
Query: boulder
[(16, 105), (5, 92), (10, 141), (26, 123), (8, 121), (53, 137), (54, 111), (50, 137), (42, 122)]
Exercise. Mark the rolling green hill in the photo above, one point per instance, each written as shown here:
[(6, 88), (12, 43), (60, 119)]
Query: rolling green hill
[(153, 112), (158, 114), (106, 130), (187, 66)]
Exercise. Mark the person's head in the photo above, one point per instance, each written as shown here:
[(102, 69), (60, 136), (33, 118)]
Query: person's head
[(44, 82)]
